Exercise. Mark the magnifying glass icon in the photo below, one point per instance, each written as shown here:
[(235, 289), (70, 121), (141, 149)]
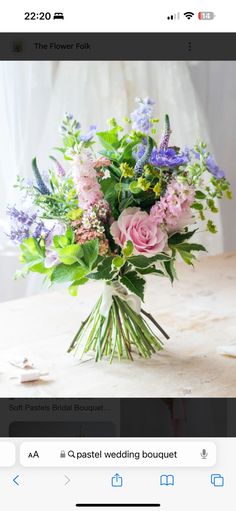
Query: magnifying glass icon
[(71, 454)]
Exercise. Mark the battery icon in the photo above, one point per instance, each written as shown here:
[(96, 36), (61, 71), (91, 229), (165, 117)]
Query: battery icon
[(206, 15)]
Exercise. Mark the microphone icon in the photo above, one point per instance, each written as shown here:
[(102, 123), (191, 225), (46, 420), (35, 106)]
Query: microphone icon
[(204, 454)]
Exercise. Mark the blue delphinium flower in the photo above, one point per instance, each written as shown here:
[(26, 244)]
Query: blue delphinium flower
[(141, 117), (166, 157), (90, 134), (212, 167)]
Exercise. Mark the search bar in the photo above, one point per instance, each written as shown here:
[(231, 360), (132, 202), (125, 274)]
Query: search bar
[(118, 454), (7, 454)]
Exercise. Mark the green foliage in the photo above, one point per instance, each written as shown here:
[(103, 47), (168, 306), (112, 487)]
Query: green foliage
[(64, 240), (65, 273), (211, 227), (128, 249), (109, 139), (70, 254), (104, 270), (118, 262), (185, 250), (170, 269), (134, 283), (151, 270), (90, 253), (178, 237), (32, 256), (140, 261), (200, 195), (197, 205)]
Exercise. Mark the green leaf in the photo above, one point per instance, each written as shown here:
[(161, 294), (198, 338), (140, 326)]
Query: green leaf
[(197, 205), (37, 267), (200, 195), (170, 270), (140, 261), (128, 151), (211, 227), (152, 271), (109, 139), (70, 254), (134, 188), (90, 253), (118, 261), (63, 240), (187, 257), (178, 237), (31, 251), (73, 288), (128, 249), (65, 273), (104, 270), (188, 247), (134, 283)]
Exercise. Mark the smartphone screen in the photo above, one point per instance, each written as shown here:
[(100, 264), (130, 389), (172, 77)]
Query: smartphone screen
[(117, 257)]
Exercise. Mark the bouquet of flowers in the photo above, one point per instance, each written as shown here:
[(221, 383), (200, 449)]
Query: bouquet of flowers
[(121, 207)]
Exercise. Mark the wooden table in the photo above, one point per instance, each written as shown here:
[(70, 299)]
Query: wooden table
[(198, 313)]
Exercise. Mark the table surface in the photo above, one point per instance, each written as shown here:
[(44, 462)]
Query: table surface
[(198, 312)]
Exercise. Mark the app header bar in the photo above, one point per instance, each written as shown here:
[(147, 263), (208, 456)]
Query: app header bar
[(104, 46)]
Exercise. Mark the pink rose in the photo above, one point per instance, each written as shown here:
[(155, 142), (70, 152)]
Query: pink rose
[(139, 227)]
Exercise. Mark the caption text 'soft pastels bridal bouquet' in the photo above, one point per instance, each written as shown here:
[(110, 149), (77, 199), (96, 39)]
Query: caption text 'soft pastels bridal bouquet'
[(124, 208)]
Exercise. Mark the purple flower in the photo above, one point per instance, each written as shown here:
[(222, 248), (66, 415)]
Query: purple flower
[(90, 134), (57, 229), (164, 143), (213, 168), (51, 254), (141, 117), (24, 224), (166, 158), (60, 170)]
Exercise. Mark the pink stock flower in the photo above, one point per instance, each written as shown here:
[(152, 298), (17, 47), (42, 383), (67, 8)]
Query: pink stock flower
[(139, 227), (174, 208), (85, 177), (83, 165)]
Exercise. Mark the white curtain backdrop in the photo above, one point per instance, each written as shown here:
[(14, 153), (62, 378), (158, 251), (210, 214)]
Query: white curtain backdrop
[(34, 97)]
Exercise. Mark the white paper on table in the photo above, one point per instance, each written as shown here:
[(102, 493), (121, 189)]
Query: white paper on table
[(229, 351)]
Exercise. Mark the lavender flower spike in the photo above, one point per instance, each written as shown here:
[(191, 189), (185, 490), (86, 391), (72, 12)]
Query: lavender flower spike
[(60, 170), (39, 180), (166, 134)]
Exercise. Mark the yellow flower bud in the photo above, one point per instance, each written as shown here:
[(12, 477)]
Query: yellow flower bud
[(143, 184), (126, 170), (157, 189)]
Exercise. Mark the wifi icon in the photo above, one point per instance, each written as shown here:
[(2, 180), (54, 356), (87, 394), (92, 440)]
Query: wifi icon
[(189, 15)]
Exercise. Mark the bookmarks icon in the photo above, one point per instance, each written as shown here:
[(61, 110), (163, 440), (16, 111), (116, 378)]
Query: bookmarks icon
[(167, 480)]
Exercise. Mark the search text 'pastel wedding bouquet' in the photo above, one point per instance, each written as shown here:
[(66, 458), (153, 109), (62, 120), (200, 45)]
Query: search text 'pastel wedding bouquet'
[(125, 208)]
